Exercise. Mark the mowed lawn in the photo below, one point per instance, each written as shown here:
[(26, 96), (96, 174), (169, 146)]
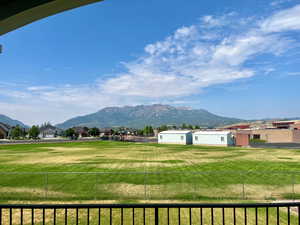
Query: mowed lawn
[(120, 171)]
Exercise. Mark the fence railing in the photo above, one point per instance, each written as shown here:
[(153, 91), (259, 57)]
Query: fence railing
[(193, 186), (152, 214)]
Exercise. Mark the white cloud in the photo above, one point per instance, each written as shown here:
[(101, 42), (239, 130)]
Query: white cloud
[(39, 88), (293, 73), (237, 50), (184, 62), (284, 20), (211, 21), (279, 2), (269, 70)]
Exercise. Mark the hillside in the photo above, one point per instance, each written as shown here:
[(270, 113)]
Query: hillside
[(11, 122), (155, 115)]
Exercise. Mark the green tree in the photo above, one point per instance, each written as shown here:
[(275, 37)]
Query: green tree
[(70, 133), (162, 128), (17, 132), (148, 131), (140, 132), (197, 127), (190, 127), (94, 132), (34, 132), (184, 126), (145, 131)]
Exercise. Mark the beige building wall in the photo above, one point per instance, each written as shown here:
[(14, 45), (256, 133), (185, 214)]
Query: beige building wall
[(277, 135), (296, 136)]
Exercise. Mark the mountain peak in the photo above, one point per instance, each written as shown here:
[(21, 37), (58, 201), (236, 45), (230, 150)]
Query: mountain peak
[(11, 122), (141, 115)]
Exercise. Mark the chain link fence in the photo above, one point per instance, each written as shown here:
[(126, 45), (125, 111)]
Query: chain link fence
[(65, 186)]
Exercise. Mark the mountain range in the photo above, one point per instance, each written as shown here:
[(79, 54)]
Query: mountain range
[(11, 122), (141, 115)]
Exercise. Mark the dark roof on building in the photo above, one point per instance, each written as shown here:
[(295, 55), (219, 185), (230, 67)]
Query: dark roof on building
[(284, 122)]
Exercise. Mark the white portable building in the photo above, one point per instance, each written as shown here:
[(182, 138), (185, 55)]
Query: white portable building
[(184, 137), (214, 138)]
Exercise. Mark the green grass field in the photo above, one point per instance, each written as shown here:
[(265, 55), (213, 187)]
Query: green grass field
[(118, 171)]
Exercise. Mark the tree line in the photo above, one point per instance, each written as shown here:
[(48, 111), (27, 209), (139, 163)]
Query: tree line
[(34, 132)]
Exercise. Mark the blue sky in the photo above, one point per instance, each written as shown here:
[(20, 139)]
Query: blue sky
[(233, 58)]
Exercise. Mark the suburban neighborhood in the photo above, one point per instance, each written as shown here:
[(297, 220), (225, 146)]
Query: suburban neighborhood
[(241, 134)]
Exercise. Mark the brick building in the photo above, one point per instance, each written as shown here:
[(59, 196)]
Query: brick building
[(277, 135)]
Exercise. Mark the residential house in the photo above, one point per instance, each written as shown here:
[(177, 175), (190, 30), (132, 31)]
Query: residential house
[(49, 131)]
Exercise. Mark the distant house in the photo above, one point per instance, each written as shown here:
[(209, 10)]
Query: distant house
[(82, 131), (49, 131), (105, 132), (184, 137), (4, 131), (213, 138)]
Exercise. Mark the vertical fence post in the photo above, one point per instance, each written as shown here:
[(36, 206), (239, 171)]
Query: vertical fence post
[(145, 170), (96, 184), (243, 191), (293, 186), (46, 185), (156, 216), (145, 186), (243, 185), (195, 186)]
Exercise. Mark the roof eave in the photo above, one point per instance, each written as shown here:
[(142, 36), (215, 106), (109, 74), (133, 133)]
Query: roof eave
[(38, 12)]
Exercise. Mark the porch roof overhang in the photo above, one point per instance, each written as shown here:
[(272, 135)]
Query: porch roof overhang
[(18, 13)]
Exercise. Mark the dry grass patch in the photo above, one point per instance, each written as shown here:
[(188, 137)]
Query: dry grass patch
[(139, 191), (273, 156), (51, 159), (33, 191), (68, 149), (133, 165)]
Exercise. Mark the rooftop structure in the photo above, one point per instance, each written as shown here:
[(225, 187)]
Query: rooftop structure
[(237, 126), (286, 124), (175, 132)]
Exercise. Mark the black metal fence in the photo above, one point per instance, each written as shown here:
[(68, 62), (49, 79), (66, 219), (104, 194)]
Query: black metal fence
[(152, 214)]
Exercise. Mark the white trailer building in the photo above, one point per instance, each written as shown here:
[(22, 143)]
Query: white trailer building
[(214, 138), (183, 137)]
